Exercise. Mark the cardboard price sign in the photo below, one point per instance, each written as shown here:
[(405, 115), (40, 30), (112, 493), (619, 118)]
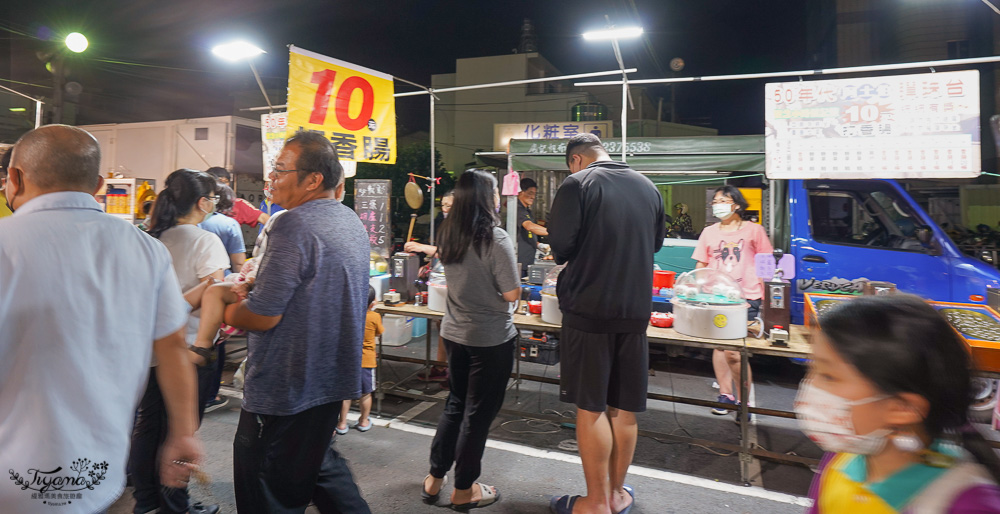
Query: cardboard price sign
[(353, 106), (273, 129)]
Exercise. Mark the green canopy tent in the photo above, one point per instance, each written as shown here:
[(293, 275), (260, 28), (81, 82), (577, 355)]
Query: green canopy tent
[(664, 160)]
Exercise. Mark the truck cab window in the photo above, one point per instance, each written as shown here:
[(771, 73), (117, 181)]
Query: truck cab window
[(863, 218)]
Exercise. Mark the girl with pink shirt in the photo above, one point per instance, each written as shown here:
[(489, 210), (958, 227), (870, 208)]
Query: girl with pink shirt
[(730, 246)]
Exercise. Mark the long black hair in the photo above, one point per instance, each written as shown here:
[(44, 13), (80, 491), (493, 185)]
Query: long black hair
[(736, 196), (903, 345), (183, 188), (472, 217)]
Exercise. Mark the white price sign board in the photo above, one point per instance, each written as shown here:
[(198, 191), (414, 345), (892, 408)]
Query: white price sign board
[(903, 126)]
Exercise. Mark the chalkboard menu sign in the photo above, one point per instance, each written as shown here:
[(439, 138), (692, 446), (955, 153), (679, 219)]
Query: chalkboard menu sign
[(371, 202)]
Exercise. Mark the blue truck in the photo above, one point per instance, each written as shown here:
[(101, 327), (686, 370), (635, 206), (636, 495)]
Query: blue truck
[(843, 232)]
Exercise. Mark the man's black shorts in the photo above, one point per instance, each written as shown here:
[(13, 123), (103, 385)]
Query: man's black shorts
[(601, 370)]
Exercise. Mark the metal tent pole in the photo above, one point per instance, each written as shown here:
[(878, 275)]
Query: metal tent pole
[(514, 82), (433, 180), (830, 71)]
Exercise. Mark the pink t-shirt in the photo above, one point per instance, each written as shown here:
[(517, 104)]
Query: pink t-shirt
[(733, 253)]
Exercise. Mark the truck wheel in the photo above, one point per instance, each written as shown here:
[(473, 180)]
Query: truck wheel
[(984, 399)]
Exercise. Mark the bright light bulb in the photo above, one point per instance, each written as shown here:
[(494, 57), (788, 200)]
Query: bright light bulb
[(77, 42), (236, 51), (621, 33)]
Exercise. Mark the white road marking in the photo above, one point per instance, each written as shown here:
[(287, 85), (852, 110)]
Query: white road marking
[(753, 492)]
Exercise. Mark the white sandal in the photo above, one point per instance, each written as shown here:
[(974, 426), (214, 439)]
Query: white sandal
[(428, 498), (490, 495)]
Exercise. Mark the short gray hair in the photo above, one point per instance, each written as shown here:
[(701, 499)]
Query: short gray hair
[(59, 157)]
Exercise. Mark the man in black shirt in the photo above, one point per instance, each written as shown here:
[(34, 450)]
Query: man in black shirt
[(607, 222), (527, 231)]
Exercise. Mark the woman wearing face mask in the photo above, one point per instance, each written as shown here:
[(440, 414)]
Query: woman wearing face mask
[(730, 246), (887, 394), (199, 260), (437, 373)]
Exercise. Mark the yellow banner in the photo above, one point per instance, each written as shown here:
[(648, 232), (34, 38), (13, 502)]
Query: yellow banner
[(353, 106)]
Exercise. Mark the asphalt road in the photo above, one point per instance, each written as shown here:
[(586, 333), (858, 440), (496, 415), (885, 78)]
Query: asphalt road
[(529, 461)]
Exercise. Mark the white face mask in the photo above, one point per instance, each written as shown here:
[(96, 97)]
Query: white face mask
[(826, 419), (208, 214), (722, 210)]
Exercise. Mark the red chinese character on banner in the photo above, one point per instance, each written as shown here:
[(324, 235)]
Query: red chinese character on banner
[(807, 94), (827, 94), (930, 88), (909, 89), (956, 88)]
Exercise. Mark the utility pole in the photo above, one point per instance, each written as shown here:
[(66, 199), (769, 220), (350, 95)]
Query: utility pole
[(58, 84)]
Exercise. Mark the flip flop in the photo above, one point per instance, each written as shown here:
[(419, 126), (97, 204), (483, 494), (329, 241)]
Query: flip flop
[(428, 498), (631, 492), (364, 428), (341, 431), (563, 504), (490, 495)]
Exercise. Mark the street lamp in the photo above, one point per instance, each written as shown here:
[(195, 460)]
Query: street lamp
[(614, 34), (55, 62), (77, 42), (238, 51)]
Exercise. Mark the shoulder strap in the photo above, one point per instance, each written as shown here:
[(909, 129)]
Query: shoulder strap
[(939, 495)]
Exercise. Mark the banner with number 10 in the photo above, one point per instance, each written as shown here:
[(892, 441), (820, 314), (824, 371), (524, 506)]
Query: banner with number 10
[(353, 106)]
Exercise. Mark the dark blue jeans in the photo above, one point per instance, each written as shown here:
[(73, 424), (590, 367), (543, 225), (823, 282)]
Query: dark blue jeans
[(281, 463), (477, 377)]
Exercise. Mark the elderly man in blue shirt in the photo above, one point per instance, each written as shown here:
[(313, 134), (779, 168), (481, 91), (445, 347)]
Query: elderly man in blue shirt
[(87, 302), (306, 315)]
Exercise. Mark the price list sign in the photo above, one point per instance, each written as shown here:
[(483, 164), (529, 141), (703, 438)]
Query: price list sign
[(371, 202), (903, 126)]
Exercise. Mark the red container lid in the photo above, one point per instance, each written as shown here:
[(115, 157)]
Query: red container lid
[(663, 278)]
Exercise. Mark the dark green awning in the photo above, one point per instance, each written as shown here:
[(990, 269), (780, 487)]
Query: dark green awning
[(663, 159)]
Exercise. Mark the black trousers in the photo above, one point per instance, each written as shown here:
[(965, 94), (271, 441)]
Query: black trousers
[(148, 434), (212, 389), (478, 378), (281, 463)]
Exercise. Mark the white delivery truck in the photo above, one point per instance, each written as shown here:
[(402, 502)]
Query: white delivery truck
[(154, 149)]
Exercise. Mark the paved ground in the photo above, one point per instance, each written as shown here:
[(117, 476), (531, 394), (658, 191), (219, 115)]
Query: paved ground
[(389, 462), (529, 460)]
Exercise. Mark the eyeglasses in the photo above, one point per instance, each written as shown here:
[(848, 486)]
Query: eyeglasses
[(213, 199), (276, 172)]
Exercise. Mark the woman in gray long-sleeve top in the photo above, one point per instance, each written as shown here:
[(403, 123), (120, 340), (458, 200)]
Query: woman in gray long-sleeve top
[(478, 331)]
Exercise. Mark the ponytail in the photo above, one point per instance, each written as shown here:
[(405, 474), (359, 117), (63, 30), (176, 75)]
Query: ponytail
[(183, 190), (164, 214)]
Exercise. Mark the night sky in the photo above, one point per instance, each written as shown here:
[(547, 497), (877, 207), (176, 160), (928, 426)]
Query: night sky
[(151, 60)]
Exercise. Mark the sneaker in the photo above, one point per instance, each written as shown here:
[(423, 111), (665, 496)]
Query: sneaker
[(737, 414), (217, 403), (724, 398)]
